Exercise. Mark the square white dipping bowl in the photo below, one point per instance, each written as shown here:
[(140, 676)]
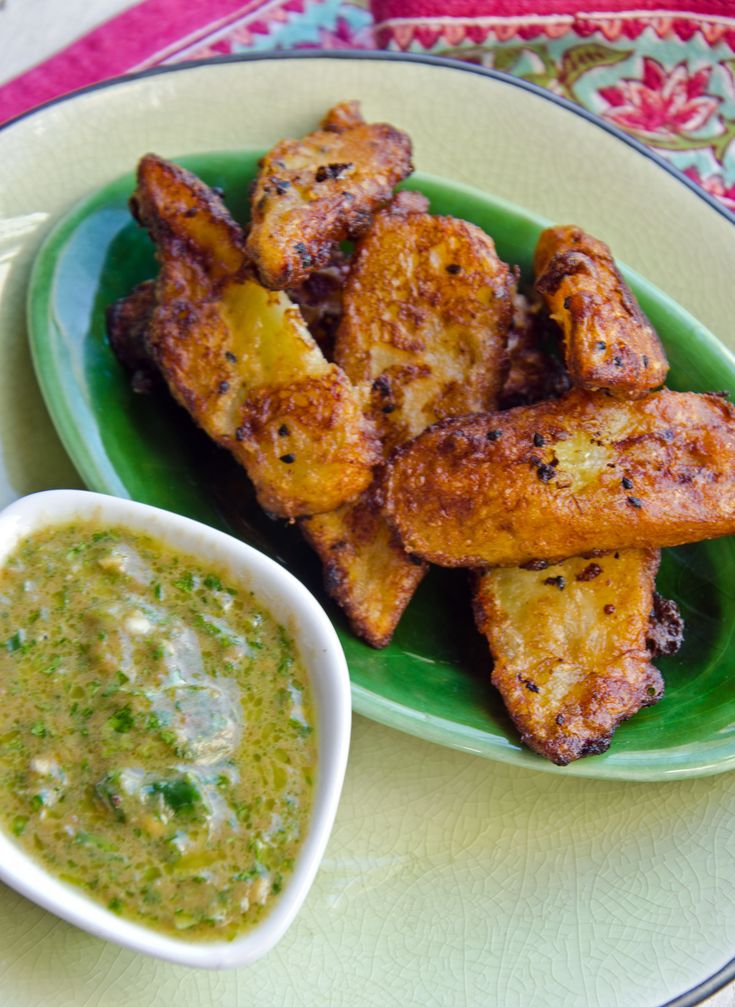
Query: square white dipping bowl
[(289, 602)]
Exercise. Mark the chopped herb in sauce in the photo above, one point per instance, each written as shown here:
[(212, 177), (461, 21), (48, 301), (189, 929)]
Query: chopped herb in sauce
[(159, 735)]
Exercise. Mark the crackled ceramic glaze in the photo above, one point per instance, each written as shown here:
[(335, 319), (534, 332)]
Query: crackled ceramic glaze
[(448, 879)]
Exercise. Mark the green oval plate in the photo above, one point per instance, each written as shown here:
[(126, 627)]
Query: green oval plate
[(433, 679)]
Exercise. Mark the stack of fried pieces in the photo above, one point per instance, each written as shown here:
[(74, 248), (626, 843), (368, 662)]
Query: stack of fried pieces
[(400, 401)]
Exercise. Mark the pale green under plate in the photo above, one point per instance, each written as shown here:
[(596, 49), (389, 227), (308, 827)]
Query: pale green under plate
[(449, 880), (433, 679)]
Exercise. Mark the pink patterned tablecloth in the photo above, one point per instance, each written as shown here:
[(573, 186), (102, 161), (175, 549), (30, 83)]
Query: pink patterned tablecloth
[(663, 72)]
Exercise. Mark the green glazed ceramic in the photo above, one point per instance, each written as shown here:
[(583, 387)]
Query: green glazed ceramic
[(433, 679)]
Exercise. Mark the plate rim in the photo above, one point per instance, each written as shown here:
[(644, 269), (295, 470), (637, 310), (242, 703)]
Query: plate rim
[(726, 974), (394, 57)]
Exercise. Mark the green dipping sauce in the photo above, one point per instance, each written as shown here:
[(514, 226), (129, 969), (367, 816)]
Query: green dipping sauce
[(157, 742)]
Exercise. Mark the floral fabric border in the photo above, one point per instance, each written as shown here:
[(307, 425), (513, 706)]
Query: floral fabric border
[(663, 73), (665, 77)]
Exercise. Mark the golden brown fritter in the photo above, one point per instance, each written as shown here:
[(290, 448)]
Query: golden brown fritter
[(427, 308), (569, 646), (127, 330), (240, 359), (563, 478), (315, 192), (446, 353), (365, 567), (608, 341), (534, 374)]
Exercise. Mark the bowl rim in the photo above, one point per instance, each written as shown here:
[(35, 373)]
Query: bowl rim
[(326, 667)]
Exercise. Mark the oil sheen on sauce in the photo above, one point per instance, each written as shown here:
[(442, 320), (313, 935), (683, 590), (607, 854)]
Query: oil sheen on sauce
[(157, 742)]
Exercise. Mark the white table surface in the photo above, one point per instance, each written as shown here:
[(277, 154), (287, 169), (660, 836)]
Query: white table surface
[(31, 31)]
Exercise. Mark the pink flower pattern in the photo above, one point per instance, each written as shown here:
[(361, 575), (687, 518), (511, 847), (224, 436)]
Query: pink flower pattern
[(664, 103), (715, 186)]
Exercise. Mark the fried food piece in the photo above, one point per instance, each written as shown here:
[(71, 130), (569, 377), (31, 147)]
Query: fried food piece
[(365, 568), (427, 308), (127, 330), (608, 341), (569, 646), (240, 359), (563, 478), (311, 194), (424, 341), (534, 373)]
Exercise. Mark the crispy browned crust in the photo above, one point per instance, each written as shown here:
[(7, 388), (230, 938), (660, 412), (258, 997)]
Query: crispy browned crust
[(563, 478), (343, 116), (186, 218), (240, 359), (666, 627), (608, 341), (312, 193), (127, 331), (445, 353), (365, 568), (427, 307), (569, 646), (534, 374)]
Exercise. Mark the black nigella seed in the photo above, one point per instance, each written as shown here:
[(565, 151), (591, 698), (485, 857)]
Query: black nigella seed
[(627, 483), (600, 345), (288, 459), (388, 409), (223, 387), (494, 435), (283, 430), (327, 171), (240, 434), (538, 440), (545, 473), (618, 361), (303, 253), (645, 360), (231, 357), (635, 502), (454, 268), (556, 582)]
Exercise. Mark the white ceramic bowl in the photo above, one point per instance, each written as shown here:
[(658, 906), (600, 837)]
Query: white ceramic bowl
[(292, 605)]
